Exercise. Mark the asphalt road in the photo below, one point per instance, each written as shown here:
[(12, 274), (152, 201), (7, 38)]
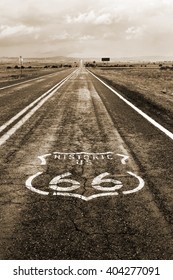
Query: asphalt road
[(82, 175)]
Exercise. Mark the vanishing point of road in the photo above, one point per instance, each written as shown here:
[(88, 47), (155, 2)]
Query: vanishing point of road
[(82, 174)]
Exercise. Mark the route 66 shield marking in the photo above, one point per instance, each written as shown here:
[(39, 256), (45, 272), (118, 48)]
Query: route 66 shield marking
[(96, 184)]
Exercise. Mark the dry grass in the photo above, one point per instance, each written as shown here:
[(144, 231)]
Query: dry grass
[(32, 68), (154, 84), (11, 75)]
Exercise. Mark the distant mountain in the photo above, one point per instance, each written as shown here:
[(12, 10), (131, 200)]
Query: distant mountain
[(145, 59), (55, 59), (133, 59), (52, 59), (64, 59)]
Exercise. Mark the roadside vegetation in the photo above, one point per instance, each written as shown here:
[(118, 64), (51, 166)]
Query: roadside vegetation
[(12, 72)]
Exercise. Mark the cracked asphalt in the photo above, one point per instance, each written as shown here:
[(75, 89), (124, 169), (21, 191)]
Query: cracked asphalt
[(81, 132)]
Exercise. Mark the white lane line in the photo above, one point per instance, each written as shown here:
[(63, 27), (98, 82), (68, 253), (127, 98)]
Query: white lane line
[(34, 79), (11, 131), (152, 121), (4, 126)]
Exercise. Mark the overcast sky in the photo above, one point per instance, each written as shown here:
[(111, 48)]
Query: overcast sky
[(86, 28)]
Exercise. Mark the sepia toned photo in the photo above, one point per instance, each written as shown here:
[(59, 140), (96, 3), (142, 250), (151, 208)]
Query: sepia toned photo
[(86, 130)]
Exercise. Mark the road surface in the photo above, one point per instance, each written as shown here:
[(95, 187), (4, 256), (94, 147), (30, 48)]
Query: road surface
[(83, 175)]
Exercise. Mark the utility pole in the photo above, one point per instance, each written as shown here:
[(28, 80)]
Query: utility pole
[(21, 64)]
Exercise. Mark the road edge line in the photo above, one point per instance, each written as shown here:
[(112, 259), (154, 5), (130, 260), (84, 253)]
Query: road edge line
[(139, 111)]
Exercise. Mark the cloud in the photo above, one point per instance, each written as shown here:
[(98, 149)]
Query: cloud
[(65, 36), (86, 37), (135, 32), (90, 18), (81, 18), (103, 19), (61, 37), (117, 27), (17, 30)]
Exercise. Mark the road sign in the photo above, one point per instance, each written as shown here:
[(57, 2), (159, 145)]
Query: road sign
[(21, 60), (105, 59)]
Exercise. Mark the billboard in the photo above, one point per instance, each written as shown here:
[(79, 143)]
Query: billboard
[(105, 59)]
